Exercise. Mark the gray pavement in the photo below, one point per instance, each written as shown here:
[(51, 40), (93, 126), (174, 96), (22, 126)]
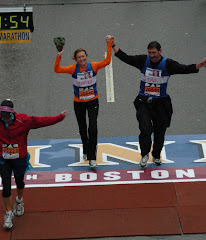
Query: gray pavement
[(28, 78)]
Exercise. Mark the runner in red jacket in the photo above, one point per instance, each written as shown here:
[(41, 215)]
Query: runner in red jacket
[(14, 129)]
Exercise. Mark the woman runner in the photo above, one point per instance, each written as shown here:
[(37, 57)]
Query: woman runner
[(85, 95)]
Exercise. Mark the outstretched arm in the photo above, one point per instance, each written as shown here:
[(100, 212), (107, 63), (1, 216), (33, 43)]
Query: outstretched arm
[(174, 67), (201, 64), (38, 122)]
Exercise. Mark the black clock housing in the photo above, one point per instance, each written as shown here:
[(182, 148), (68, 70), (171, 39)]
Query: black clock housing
[(16, 21)]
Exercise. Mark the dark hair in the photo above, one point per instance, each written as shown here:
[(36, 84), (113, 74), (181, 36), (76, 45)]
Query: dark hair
[(77, 51), (154, 44), (7, 103)]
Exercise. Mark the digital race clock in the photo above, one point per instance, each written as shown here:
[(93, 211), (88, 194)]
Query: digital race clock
[(16, 18)]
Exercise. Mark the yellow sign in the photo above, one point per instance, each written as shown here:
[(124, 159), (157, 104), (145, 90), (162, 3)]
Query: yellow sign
[(15, 36)]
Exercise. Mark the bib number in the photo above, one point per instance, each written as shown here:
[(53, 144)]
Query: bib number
[(152, 89), (10, 151), (86, 93)]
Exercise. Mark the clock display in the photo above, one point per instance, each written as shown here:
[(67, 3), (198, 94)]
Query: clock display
[(16, 20)]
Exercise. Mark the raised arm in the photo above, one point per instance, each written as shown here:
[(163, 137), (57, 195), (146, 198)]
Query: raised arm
[(115, 48), (59, 69), (133, 60), (98, 65)]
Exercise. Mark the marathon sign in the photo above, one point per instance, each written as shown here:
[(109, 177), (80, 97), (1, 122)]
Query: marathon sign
[(59, 162), (15, 36)]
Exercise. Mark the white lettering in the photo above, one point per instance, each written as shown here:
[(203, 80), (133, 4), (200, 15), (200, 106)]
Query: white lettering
[(135, 174), (112, 176), (181, 173), (160, 174), (29, 177), (88, 177), (63, 177)]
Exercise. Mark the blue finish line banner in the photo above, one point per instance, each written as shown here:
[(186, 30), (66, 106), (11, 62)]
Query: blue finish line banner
[(59, 162)]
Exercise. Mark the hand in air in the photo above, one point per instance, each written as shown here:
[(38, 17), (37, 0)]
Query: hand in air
[(204, 62), (64, 113), (109, 38), (59, 54)]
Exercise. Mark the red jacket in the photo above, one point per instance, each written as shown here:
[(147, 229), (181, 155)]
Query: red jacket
[(18, 130)]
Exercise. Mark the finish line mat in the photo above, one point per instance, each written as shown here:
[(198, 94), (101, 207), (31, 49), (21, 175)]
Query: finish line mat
[(63, 195), (59, 162)]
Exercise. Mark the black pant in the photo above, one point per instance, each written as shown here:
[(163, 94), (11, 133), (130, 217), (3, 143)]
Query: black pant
[(153, 117), (18, 166), (88, 136)]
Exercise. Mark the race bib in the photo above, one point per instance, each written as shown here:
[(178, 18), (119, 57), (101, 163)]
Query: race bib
[(86, 93), (152, 89), (10, 151)]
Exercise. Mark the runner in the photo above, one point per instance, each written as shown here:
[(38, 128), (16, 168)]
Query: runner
[(14, 129), (153, 104), (86, 95)]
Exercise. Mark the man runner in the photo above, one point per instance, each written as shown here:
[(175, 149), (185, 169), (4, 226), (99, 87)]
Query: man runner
[(153, 104)]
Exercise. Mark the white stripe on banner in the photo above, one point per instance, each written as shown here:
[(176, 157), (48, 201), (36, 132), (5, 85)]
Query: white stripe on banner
[(109, 82)]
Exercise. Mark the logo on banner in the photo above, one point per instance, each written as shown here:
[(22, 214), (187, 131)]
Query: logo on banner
[(55, 165)]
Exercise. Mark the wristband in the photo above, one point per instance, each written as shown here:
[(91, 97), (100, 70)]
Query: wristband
[(113, 45)]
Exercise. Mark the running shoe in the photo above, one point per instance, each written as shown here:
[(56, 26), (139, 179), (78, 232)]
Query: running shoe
[(18, 208), (157, 161), (92, 163), (143, 162), (8, 218)]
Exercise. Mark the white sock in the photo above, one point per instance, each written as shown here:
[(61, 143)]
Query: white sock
[(9, 212), (19, 200)]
